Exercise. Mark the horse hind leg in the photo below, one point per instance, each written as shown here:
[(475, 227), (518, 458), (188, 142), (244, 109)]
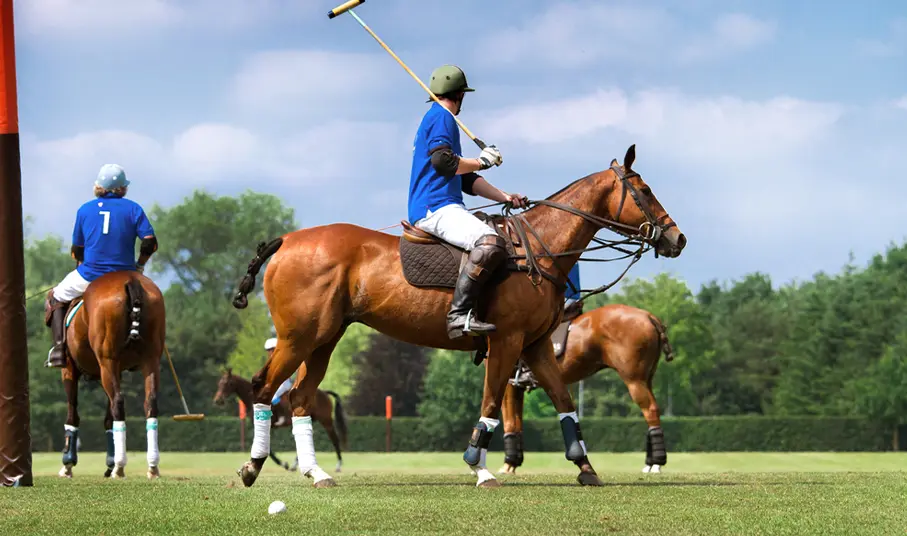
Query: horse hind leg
[(71, 429), (322, 414), (151, 372), (656, 452), (512, 415), (276, 370), (303, 400), (110, 379)]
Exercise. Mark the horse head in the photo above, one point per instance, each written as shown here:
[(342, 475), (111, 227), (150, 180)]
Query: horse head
[(642, 210), (224, 387)]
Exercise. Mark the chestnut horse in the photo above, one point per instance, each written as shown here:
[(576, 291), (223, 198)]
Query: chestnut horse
[(322, 279), (118, 325), (231, 384), (627, 339)]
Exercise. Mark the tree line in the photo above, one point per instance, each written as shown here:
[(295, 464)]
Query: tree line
[(833, 345)]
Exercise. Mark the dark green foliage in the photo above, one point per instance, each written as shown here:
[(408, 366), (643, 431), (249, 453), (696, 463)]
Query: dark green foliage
[(388, 367), (684, 434)]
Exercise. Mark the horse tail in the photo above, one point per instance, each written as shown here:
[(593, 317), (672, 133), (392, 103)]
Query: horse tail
[(340, 419), (264, 251), (663, 342), (135, 297)]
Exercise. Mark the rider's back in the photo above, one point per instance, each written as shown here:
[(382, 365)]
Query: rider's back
[(108, 228)]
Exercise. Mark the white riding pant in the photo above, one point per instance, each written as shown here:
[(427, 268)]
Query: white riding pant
[(72, 286), (456, 225)]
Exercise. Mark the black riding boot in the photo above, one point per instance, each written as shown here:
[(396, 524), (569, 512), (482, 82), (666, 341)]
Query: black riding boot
[(485, 257), (56, 358)]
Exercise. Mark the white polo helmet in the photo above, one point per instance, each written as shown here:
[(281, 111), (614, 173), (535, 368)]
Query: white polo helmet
[(271, 343)]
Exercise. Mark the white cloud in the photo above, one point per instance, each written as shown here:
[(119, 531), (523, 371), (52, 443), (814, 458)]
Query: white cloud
[(570, 35), (57, 172), (293, 82), (725, 128), (731, 33)]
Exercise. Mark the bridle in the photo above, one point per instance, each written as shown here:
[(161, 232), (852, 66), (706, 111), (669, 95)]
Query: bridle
[(646, 236)]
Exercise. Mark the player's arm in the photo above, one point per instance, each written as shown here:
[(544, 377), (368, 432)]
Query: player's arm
[(77, 251), (149, 241), (445, 161)]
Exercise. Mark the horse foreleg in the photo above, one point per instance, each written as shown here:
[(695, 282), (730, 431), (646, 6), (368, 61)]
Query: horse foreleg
[(541, 360), (71, 429), (503, 354), (512, 415), (152, 383), (110, 379)]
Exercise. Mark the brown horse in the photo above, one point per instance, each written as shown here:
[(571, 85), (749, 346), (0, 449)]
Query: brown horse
[(322, 279), (119, 324), (230, 384), (626, 339)]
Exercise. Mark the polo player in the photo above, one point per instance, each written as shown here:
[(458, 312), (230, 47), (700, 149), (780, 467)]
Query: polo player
[(439, 177), (103, 241)]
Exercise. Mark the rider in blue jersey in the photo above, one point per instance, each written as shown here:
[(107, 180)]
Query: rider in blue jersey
[(103, 241), (572, 294)]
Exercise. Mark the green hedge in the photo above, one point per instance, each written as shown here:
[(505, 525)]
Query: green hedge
[(685, 434)]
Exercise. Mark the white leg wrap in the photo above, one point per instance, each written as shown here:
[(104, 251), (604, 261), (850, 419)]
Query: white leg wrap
[(261, 421), (70, 428), (305, 449), (154, 456), (119, 443)]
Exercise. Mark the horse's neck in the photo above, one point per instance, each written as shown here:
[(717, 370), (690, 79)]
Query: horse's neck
[(243, 389), (562, 231)]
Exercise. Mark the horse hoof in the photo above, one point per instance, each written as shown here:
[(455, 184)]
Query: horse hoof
[(108, 472), (507, 469), (65, 472), (248, 473), (493, 483), (656, 469), (325, 483), (119, 472), (153, 473), (589, 479)]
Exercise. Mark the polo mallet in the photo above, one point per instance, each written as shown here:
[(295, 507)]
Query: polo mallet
[(187, 416), (341, 9)]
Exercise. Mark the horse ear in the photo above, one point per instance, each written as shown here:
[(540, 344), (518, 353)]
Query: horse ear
[(630, 157), (614, 162), (229, 371)]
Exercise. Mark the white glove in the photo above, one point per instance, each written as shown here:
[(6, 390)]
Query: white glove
[(490, 157)]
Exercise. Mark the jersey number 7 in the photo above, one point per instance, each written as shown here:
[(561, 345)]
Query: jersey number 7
[(106, 214)]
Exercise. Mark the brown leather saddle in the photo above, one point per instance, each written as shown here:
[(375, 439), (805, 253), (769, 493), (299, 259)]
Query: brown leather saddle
[(429, 261)]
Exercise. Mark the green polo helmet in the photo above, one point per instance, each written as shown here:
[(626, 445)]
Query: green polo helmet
[(448, 79)]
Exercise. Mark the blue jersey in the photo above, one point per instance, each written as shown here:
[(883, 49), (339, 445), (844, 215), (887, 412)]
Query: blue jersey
[(107, 227), (428, 189), (573, 276)]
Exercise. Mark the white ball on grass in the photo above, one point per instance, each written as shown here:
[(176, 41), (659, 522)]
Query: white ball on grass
[(277, 507)]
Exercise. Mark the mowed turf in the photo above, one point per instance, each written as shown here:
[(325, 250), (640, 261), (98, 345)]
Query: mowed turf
[(434, 493)]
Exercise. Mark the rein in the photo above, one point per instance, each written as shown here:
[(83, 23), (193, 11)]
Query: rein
[(645, 236)]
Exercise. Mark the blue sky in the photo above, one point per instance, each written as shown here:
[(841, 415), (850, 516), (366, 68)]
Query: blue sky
[(774, 132)]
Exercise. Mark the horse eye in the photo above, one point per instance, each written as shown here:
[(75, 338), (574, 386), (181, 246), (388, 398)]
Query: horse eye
[(647, 191)]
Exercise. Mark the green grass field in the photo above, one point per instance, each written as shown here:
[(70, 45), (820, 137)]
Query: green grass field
[(434, 493)]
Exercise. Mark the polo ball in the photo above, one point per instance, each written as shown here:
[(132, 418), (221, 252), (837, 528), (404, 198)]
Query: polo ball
[(277, 507)]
